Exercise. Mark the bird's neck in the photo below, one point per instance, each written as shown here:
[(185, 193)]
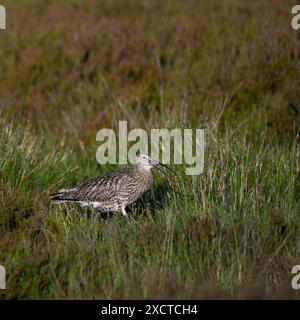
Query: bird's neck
[(143, 171), (143, 168), (145, 175)]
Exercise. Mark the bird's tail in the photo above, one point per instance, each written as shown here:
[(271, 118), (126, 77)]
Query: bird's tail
[(63, 195)]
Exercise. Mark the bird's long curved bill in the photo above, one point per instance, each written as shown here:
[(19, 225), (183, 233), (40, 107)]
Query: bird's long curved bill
[(159, 166)]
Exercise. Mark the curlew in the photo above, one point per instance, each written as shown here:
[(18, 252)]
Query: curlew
[(115, 190)]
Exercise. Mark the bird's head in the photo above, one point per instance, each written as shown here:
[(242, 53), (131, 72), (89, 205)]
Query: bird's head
[(147, 163)]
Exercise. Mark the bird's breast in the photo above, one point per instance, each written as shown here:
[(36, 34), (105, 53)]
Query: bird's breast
[(136, 185)]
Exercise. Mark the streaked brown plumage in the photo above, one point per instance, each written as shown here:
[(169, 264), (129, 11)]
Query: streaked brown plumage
[(113, 191)]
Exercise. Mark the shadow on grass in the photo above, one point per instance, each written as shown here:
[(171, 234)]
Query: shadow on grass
[(151, 201)]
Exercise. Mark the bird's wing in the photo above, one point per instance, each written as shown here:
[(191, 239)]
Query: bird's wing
[(100, 189)]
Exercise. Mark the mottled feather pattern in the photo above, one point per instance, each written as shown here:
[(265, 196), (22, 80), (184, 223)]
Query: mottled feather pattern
[(111, 192)]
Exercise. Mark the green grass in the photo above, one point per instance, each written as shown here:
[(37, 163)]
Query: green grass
[(234, 227), (230, 67)]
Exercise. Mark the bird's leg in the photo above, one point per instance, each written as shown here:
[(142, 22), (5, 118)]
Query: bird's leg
[(123, 211)]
